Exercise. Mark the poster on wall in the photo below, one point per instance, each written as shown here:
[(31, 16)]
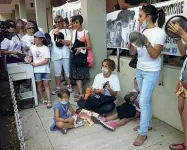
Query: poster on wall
[(119, 25), (68, 10), (171, 8)]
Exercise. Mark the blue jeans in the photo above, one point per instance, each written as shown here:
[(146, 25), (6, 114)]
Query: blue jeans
[(147, 82), (42, 76)]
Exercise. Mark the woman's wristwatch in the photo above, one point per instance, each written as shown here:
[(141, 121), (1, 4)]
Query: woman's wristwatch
[(147, 44)]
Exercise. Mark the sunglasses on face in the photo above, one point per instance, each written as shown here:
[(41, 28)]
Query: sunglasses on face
[(57, 22)]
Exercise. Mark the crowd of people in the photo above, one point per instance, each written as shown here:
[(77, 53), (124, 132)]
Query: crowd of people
[(67, 44), (68, 50)]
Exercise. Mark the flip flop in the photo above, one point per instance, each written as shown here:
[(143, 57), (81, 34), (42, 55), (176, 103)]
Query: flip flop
[(139, 141), (49, 105), (138, 127), (43, 101), (175, 145)]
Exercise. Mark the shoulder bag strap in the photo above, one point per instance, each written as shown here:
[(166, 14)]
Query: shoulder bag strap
[(18, 37), (85, 38), (76, 35)]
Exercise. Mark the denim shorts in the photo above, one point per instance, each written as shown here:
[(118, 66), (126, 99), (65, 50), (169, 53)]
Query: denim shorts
[(42, 76), (58, 64)]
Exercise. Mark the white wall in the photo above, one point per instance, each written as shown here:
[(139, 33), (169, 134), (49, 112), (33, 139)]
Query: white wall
[(5, 16), (165, 104)]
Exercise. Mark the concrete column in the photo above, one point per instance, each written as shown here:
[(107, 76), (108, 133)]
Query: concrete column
[(17, 16), (41, 15), (94, 14), (13, 15), (22, 8)]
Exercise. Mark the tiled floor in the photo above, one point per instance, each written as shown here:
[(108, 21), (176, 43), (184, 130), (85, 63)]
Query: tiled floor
[(36, 123)]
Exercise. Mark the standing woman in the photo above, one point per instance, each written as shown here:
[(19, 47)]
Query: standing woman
[(81, 44), (20, 28), (148, 65), (182, 85), (12, 43)]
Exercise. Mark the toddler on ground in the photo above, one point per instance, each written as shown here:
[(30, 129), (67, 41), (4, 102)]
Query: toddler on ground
[(63, 120)]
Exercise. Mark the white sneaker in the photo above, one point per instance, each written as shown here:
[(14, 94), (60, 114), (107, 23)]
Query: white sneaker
[(78, 124), (75, 117), (64, 130)]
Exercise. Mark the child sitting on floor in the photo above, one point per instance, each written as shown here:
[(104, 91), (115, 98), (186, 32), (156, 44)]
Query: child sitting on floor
[(63, 120), (127, 111)]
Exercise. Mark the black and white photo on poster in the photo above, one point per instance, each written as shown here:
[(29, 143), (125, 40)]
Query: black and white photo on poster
[(119, 25)]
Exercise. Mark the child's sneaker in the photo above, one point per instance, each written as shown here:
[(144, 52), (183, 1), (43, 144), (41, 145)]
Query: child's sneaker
[(98, 120), (74, 117), (110, 125), (64, 130), (78, 124), (104, 119)]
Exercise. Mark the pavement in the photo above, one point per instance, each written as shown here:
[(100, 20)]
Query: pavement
[(36, 124)]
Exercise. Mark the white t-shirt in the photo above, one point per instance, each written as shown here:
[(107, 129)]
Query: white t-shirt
[(156, 36), (39, 54), (12, 45), (100, 80), (80, 35), (27, 41), (64, 52)]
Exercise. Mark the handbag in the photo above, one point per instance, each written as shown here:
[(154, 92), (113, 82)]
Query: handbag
[(90, 56), (78, 59), (98, 100), (133, 61)]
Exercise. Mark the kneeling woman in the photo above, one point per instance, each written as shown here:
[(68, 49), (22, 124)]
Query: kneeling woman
[(100, 87)]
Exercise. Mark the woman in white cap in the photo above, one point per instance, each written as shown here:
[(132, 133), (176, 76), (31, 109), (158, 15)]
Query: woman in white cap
[(41, 55)]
